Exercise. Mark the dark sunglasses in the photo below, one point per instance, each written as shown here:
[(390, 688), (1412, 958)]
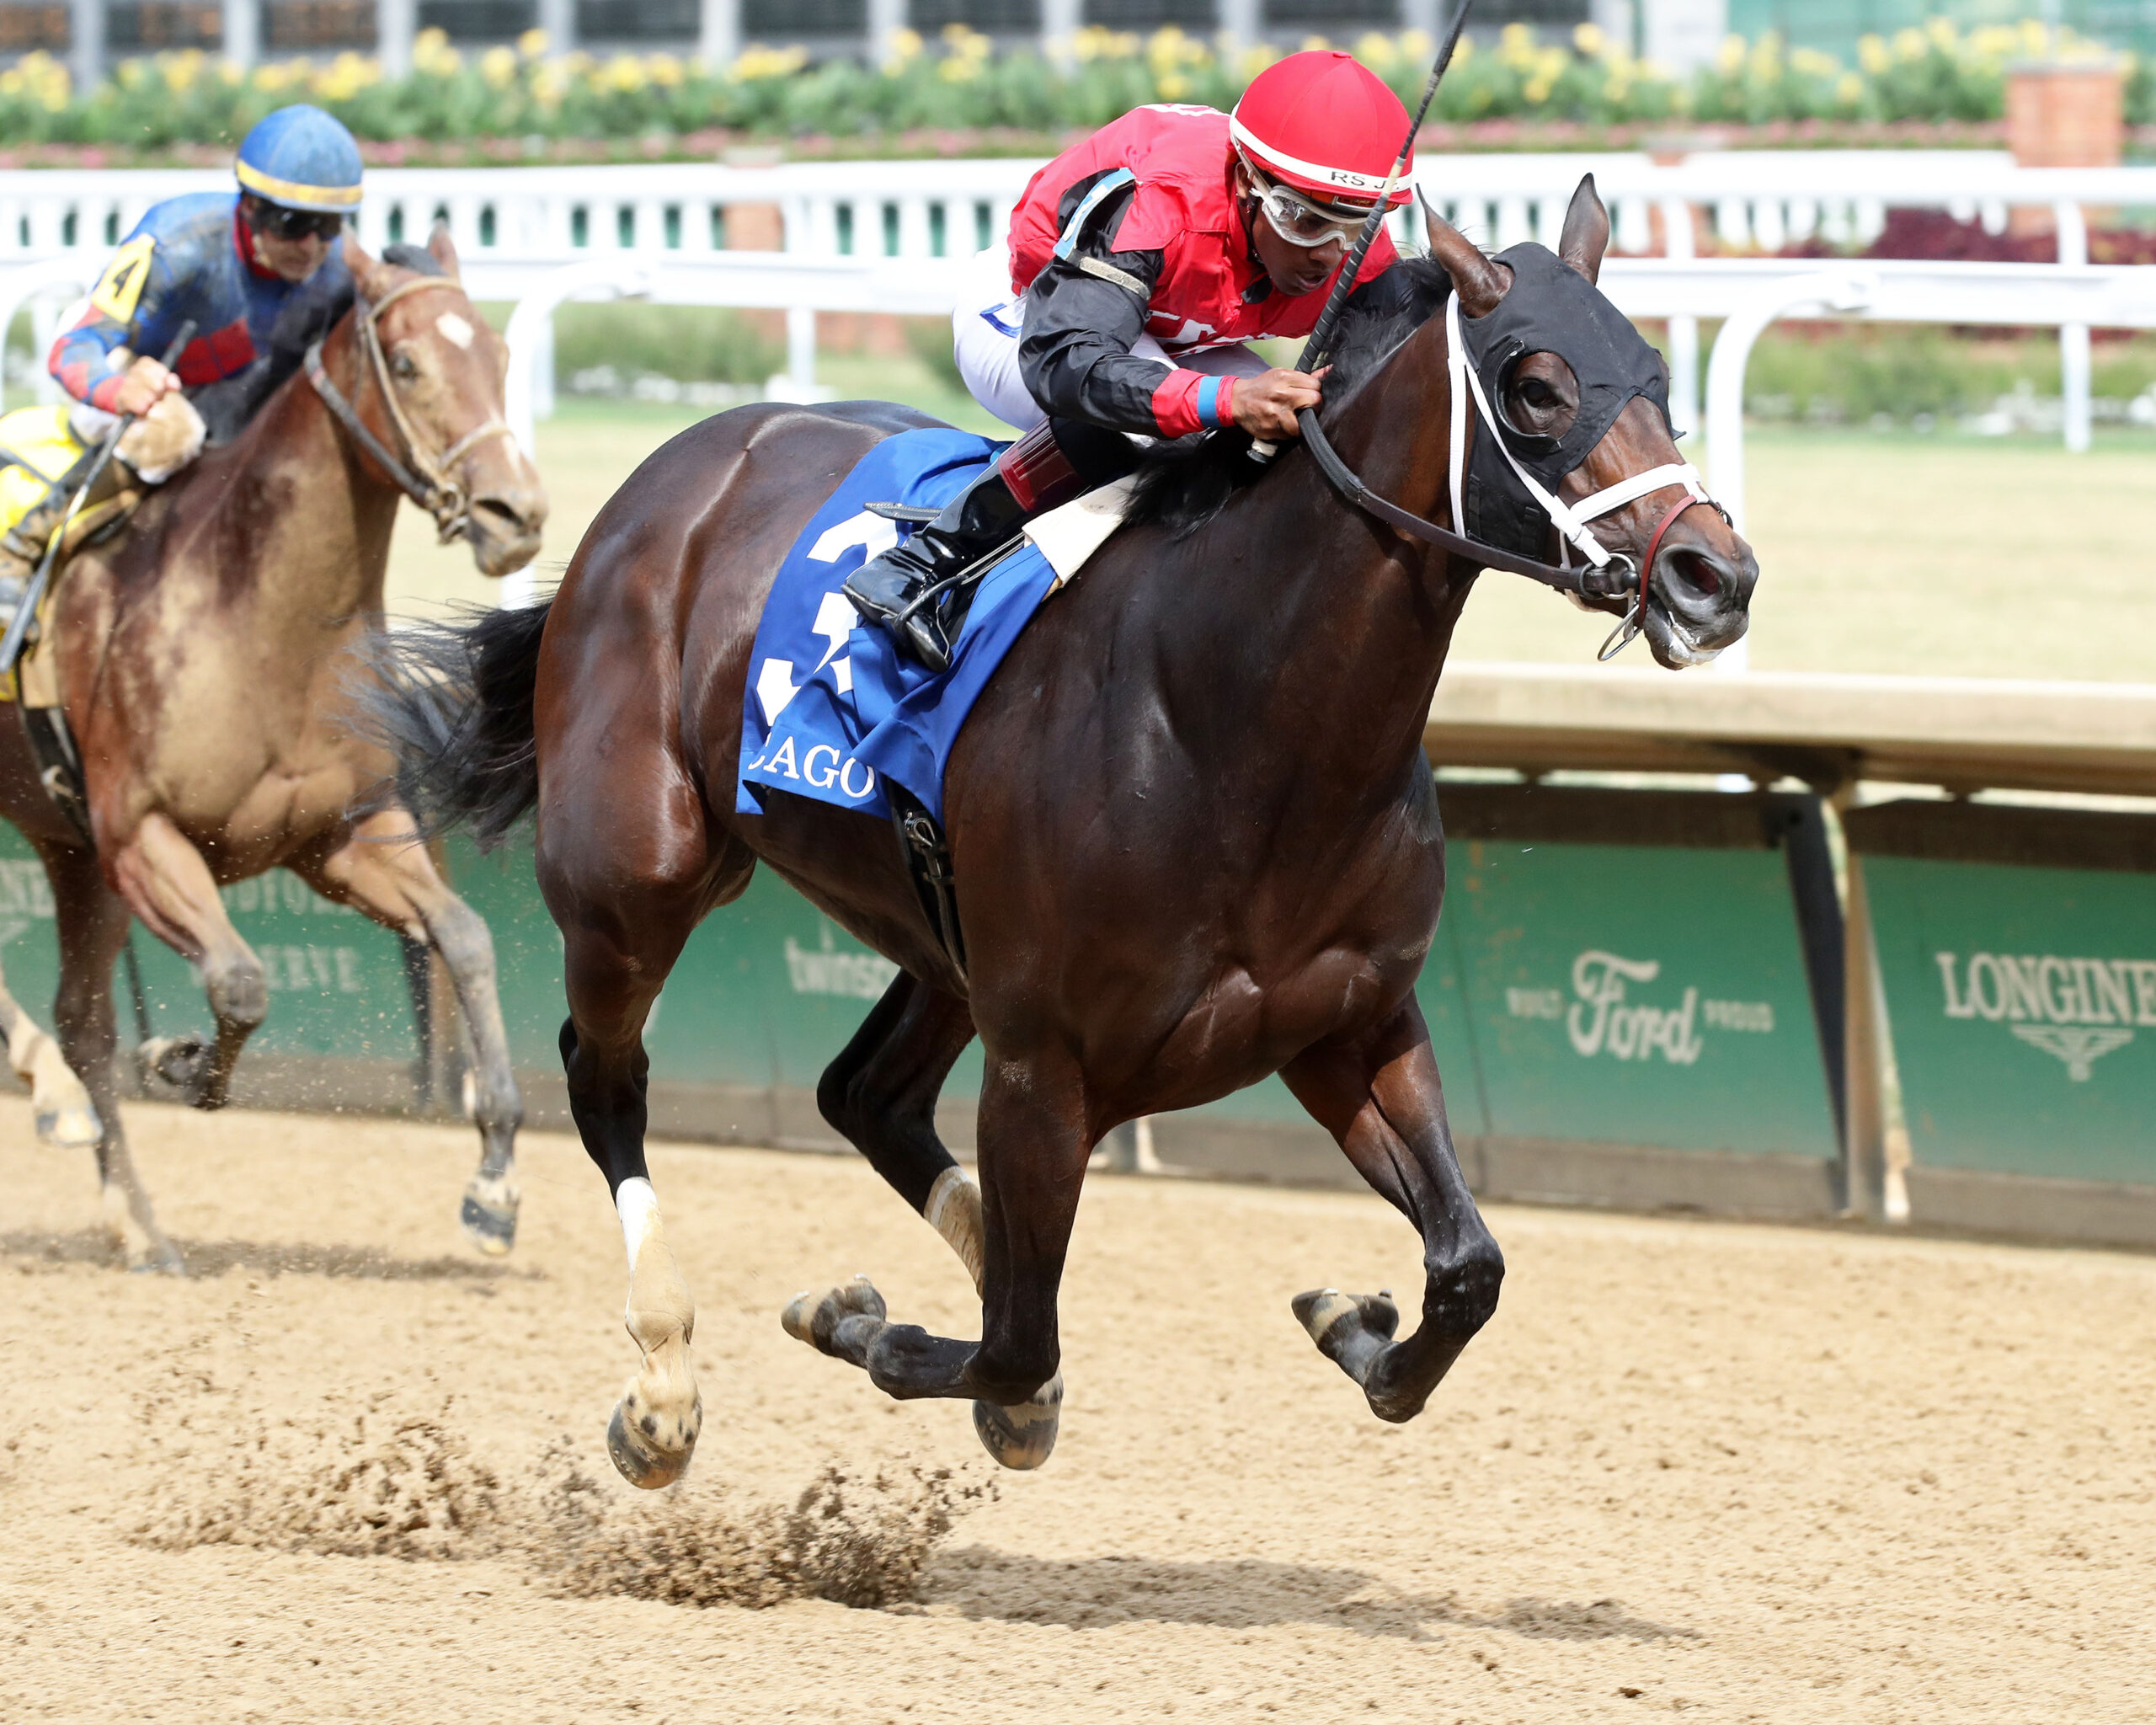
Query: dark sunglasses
[(280, 222)]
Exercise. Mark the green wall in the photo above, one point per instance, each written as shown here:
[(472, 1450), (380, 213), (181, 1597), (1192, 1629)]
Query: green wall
[(1615, 994), (2024, 1008)]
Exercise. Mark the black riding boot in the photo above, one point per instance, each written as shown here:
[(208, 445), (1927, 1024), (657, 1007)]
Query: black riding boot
[(980, 518)]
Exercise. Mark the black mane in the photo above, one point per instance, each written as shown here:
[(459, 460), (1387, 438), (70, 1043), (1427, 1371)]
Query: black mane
[(1182, 485)]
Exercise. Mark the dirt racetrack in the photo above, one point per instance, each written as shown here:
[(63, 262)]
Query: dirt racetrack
[(1737, 1472)]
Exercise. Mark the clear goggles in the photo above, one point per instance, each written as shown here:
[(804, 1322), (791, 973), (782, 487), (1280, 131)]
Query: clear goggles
[(1301, 219)]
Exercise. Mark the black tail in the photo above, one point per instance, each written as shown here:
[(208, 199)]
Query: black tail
[(452, 703)]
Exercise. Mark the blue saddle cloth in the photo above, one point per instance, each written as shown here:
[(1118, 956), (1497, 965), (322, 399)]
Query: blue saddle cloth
[(832, 710)]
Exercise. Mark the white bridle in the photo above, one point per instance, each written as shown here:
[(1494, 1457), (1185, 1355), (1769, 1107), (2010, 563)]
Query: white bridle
[(1571, 519)]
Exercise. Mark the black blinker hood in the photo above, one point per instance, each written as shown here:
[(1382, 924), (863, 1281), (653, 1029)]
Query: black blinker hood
[(1549, 309)]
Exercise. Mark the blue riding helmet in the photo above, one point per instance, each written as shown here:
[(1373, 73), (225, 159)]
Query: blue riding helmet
[(303, 159)]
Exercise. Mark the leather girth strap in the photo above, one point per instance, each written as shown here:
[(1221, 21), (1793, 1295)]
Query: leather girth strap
[(928, 860)]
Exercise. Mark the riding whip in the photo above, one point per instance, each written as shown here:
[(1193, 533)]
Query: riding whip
[(1343, 285), (11, 644)]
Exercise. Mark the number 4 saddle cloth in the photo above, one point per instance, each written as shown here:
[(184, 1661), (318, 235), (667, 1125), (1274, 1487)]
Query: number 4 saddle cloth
[(37, 447)]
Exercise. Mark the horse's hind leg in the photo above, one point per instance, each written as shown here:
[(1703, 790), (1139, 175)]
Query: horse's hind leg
[(881, 1093), (383, 871), (627, 871), (65, 1118), (93, 925), (1379, 1095), (164, 878)]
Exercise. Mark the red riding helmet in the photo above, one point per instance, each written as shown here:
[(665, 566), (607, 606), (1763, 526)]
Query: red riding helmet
[(1326, 123)]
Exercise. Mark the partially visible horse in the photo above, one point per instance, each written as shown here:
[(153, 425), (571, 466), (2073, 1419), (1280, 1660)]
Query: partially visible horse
[(202, 657), (1194, 835)]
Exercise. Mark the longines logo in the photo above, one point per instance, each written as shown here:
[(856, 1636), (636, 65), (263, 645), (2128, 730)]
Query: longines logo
[(1602, 1018), (2075, 1010)]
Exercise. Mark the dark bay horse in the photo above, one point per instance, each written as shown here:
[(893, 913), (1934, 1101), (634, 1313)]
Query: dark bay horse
[(202, 657), (1195, 838)]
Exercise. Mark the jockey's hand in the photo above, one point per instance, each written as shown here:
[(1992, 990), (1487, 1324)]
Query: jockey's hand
[(1266, 406), (143, 385)]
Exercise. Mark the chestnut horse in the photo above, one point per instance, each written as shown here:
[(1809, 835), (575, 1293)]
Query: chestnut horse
[(1194, 836), (202, 661)]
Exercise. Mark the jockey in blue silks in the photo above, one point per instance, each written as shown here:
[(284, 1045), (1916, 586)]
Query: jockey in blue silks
[(249, 267)]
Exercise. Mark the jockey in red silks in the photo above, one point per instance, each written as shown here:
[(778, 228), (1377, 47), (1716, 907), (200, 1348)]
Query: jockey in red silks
[(1138, 265)]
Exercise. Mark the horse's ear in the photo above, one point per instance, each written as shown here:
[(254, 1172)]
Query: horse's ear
[(1587, 230), (363, 264), (1480, 282), (443, 250)]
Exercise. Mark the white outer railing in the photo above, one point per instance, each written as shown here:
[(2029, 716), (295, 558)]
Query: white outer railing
[(930, 209)]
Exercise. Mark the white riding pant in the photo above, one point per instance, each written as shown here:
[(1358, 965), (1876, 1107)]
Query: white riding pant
[(984, 331)]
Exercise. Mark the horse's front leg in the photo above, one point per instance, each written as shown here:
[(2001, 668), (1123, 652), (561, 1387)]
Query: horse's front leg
[(169, 885), (383, 871), (1379, 1095), (1034, 1150)]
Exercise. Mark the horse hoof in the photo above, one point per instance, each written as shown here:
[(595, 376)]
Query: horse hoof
[(181, 1062), (1023, 1436), (488, 1215), (75, 1127), (158, 1257), (1350, 1330), (813, 1316), (649, 1449)]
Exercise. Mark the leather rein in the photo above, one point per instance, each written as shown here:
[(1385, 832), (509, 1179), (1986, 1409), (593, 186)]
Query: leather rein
[(1603, 574), (431, 486)]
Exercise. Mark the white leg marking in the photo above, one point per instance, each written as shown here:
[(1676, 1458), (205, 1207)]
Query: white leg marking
[(953, 1210), (638, 1205)]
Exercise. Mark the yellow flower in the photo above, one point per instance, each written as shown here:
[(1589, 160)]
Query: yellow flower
[(1589, 39), (758, 62), (1374, 48), (1164, 50), (1871, 54), (1254, 59), (431, 49), (1173, 87), (1910, 45), (1314, 44), (1813, 64), (1848, 89), (498, 66), (1729, 58), (1416, 45), (1536, 90), (1941, 31), (624, 72), (665, 71), (1515, 46), (181, 70)]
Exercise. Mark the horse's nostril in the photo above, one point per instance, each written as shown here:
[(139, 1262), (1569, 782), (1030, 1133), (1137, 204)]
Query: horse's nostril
[(498, 518), (1699, 572)]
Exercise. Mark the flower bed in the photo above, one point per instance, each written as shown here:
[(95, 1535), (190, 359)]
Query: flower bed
[(1933, 86)]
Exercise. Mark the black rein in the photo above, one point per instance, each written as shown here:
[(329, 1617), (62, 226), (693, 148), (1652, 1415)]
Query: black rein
[(1344, 480)]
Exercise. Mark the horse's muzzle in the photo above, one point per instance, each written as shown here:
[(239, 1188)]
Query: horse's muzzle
[(1700, 598), (504, 530)]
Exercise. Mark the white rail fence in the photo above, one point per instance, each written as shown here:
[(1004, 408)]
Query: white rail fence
[(537, 217), (889, 237)]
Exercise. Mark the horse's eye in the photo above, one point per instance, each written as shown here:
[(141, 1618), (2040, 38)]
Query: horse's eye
[(1536, 392), (405, 367)]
